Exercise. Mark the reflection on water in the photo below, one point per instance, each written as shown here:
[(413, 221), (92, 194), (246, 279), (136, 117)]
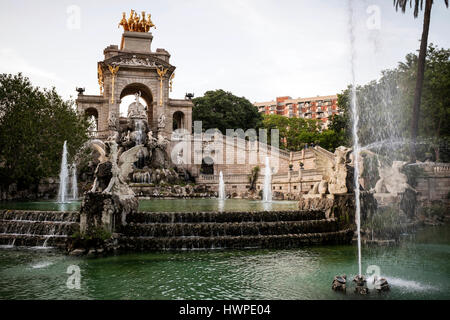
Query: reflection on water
[(165, 205), (416, 269)]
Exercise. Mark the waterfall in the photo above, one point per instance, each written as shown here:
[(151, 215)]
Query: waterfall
[(74, 182), (63, 177), (355, 120), (222, 195), (140, 132), (267, 195)]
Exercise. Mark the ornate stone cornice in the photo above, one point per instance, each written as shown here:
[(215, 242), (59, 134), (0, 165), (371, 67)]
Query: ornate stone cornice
[(138, 60)]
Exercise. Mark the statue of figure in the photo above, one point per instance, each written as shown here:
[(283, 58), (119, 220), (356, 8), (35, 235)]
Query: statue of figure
[(120, 168), (131, 23), (151, 139), (100, 78), (124, 22), (149, 24), (162, 141), (137, 23), (137, 109), (112, 121), (336, 172), (143, 22), (162, 121), (137, 96), (392, 179)]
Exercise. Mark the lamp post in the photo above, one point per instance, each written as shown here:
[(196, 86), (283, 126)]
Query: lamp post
[(301, 165)]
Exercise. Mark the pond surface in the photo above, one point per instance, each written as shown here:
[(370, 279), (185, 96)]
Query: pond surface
[(418, 268), (165, 205)]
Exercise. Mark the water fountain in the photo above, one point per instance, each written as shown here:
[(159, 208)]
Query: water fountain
[(74, 182), (267, 192), (63, 177), (222, 195), (355, 120)]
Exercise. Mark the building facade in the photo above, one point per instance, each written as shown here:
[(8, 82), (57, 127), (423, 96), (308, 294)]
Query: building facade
[(320, 108)]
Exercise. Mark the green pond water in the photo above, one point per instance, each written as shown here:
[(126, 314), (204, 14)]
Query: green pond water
[(165, 205), (418, 268)]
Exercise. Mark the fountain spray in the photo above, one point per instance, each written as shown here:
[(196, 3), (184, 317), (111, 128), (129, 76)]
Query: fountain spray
[(355, 120), (74, 182), (63, 176), (222, 195), (267, 195)]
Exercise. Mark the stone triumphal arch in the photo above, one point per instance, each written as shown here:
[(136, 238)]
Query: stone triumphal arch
[(135, 68)]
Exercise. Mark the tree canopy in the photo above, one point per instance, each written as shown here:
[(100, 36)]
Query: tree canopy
[(222, 110), (34, 123), (296, 133), (385, 108)]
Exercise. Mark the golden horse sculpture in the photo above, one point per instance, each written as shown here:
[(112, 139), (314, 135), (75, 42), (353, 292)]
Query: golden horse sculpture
[(136, 24)]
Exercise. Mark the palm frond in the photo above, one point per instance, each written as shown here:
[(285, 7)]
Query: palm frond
[(418, 5)]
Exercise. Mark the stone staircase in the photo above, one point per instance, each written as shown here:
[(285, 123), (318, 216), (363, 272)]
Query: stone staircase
[(231, 230), (37, 228)]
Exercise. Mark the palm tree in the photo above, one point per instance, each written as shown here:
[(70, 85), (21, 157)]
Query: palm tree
[(421, 63)]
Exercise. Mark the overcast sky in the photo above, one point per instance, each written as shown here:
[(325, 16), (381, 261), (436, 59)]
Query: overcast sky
[(259, 49)]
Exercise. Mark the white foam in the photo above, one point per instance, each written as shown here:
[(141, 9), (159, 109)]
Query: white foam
[(409, 284), (42, 265)]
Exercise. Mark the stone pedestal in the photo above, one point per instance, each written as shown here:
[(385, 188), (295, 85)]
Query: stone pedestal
[(136, 42), (105, 211), (339, 206)]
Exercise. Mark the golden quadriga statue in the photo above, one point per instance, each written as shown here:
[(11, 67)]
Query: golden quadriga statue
[(135, 23)]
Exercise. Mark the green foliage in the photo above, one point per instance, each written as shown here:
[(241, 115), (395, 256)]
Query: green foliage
[(34, 123), (385, 108), (295, 133), (436, 210), (223, 110)]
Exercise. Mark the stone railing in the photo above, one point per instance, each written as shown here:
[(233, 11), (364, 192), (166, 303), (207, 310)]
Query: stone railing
[(209, 178), (440, 169), (263, 147), (325, 152)]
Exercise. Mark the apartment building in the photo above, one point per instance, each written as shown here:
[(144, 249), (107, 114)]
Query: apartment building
[(320, 107)]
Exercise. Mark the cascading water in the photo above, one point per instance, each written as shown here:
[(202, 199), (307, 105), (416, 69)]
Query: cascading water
[(222, 194), (74, 182), (355, 121), (63, 177), (139, 132), (267, 193), (140, 140)]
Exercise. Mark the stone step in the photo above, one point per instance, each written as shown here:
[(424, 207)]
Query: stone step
[(21, 240), (235, 242), (214, 229), (220, 217), (70, 216), (37, 227)]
